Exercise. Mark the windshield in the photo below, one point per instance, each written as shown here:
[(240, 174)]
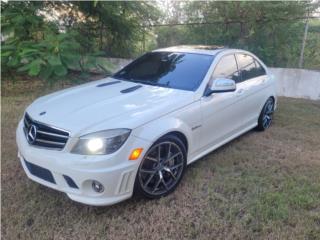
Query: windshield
[(168, 69)]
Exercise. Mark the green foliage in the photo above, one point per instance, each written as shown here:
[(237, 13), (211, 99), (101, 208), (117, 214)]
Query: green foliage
[(312, 52), (117, 25), (272, 30), (170, 36), (19, 20), (50, 48), (39, 42), (48, 57), (295, 194), (36, 47), (52, 57)]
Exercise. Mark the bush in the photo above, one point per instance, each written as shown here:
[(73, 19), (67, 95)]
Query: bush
[(37, 47), (47, 58)]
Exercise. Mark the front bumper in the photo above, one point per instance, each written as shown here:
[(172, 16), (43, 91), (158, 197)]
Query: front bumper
[(115, 172)]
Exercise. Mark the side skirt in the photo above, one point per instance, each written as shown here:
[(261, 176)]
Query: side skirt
[(214, 147)]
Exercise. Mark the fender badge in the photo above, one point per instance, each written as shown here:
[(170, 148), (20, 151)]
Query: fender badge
[(42, 113)]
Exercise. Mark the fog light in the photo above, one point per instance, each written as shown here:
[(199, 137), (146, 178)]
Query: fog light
[(97, 187)]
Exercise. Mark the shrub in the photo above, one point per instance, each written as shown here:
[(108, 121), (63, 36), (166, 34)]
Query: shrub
[(50, 57)]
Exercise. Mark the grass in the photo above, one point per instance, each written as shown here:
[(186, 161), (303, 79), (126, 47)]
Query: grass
[(260, 186)]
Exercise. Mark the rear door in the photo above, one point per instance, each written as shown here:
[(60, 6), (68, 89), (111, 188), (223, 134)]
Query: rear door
[(251, 86)]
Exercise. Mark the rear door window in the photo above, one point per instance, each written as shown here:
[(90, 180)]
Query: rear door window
[(260, 69), (249, 67)]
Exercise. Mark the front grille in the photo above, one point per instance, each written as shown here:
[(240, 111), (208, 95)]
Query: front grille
[(43, 135)]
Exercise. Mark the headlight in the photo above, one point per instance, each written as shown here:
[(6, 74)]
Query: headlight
[(104, 142)]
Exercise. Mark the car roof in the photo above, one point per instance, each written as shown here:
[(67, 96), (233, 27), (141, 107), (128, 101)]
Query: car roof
[(200, 49)]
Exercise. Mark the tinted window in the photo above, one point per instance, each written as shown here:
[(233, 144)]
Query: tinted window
[(260, 70), (168, 69), (249, 67), (227, 67)]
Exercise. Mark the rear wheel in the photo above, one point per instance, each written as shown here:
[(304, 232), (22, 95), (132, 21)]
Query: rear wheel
[(266, 115), (162, 167)]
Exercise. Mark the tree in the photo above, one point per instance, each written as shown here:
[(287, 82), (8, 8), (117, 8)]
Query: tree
[(272, 30), (33, 45), (116, 26), (49, 38)]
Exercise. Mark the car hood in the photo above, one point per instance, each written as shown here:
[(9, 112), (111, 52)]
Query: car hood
[(88, 108)]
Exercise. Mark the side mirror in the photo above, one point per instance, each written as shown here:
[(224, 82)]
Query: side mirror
[(221, 85)]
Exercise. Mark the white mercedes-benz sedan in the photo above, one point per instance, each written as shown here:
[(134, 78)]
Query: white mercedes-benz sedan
[(136, 132)]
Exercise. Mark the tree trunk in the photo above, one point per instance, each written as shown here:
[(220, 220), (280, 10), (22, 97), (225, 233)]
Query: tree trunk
[(101, 33), (304, 42)]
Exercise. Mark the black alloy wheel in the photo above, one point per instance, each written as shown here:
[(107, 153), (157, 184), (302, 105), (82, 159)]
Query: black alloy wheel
[(162, 167), (266, 115)]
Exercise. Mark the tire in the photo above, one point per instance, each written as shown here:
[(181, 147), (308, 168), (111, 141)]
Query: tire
[(266, 115), (162, 168)]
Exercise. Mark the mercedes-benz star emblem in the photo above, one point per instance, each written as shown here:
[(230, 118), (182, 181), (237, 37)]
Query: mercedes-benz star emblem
[(32, 134)]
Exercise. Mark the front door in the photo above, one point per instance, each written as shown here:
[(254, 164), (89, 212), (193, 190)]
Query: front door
[(222, 112)]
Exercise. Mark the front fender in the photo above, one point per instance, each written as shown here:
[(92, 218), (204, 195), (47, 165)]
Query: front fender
[(154, 130)]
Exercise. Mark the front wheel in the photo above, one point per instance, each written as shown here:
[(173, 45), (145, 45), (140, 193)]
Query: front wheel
[(266, 115), (162, 167)]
